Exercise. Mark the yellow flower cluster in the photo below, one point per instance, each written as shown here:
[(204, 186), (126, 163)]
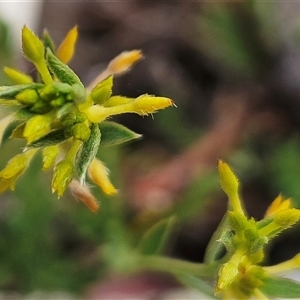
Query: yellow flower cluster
[(67, 121), (241, 276)]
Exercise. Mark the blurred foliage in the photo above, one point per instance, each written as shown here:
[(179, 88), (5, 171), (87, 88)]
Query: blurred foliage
[(5, 50)]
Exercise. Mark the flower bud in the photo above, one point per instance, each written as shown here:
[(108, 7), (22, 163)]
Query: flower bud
[(58, 102), (227, 274), (277, 205), (27, 97), (124, 61), (81, 131), (32, 46), (228, 180), (50, 154), (37, 126), (66, 49), (102, 90), (17, 164), (286, 218), (16, 76), (99, 175), (62, 176), (147, 104), (48, 92)]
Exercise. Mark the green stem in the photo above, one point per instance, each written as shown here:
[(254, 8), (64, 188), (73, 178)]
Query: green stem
[(176, 266), (44, 72)]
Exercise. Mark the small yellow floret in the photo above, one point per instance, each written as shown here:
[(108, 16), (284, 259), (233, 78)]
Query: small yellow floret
[(50, 154), (147, 104), (124, 61), (37, 126), (32, 46), (66, 49), (62, 175), (99, 175), (16, 76), (227, 274), (277, 205)]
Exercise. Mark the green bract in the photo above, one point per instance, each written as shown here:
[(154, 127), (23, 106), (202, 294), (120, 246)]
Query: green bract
[(63, 118)]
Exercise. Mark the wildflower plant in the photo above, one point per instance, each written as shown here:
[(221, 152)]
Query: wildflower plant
[(68, 123), (241, 275), (65, 120)]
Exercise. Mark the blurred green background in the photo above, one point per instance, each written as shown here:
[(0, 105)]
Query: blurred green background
[(232, 70)]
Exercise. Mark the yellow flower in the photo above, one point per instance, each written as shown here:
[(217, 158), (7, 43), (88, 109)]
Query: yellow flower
[(99, 175), (34, 51), (15, 168), (62, 175), (50, 154), (277, 205), (124, 61), (37, 126), (66, 49), (143, 105)]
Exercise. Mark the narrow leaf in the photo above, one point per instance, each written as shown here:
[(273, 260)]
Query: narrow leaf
[(9, 92), (48, 42), (113, 133), (61, 70), (52, 138), (17, 133), (281, 287), (102, 91), (155, 238), (215, 247), (88, 152), (24, 114)]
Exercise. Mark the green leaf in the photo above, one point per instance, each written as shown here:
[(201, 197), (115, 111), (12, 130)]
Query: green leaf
[(17, 133), (281, 287), (102, 91), (24, 114), (113, 133), (48, 42), (155, 238), (197, 284), (61, 70), (215, 246), (9, 92), (88, 152), (52, 138)]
